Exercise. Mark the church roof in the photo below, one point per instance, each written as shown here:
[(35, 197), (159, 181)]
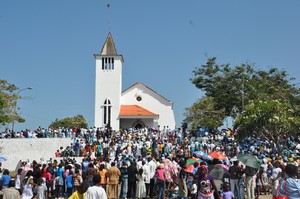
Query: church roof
[(135, 110), (148, 89), (109, 48)]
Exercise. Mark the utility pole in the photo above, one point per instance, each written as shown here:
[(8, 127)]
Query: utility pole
[(15, 108)]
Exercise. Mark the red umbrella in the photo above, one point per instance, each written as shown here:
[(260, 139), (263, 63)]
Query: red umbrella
[(217, 155), (189, 169)]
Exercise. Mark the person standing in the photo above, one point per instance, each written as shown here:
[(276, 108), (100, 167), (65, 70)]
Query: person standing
[(59, 180), (250, 183), (262, 181), (235, 172), (275, 177), (160, 181), (227, 194), (152, 166), (18, 184), (102, 172), (141, 187), (194, 189), (124, 180), (27, 188), (5, 178), (90, 172), (40, 189), (146, 174), (96, 191), (206, 185), (49, 183), (77, 179), (242, 182), (113, 174), (182, 188), (290, 186), (69, 183), (132, 171)]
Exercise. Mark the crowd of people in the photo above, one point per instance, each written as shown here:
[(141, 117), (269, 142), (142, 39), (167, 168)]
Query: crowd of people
[(149, 163)]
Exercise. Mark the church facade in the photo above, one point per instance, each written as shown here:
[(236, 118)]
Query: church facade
[(136, 107)]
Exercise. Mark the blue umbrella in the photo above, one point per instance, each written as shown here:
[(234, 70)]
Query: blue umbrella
[(2, 159), (200, 154)]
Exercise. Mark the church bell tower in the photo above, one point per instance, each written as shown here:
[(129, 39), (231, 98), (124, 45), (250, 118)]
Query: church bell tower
[(108, 86)]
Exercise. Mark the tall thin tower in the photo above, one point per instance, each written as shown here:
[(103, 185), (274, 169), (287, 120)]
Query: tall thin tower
[(108, 86)]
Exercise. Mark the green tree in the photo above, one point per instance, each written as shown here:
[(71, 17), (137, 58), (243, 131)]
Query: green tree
[(203, 113), (233, 87), (8, 103), (268, 118), (77, 121), (244, 89)]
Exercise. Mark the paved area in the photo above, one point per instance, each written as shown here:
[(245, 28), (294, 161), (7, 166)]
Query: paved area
[(265, 197)]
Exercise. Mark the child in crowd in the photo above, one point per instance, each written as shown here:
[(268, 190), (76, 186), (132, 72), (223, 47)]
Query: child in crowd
[(189, 182), (194, 189), (40, 189), (227, 194)]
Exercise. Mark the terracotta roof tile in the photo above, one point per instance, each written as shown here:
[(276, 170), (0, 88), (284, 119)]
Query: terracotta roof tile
[(135, 110)]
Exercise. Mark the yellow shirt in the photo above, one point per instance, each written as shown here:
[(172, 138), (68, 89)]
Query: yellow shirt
[(160, 147), (77, 195)]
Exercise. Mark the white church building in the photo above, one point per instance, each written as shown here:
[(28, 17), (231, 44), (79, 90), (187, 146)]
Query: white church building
[(136, 107)]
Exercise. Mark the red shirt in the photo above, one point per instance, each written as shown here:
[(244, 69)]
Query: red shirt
[(48, 177), (43, 172)]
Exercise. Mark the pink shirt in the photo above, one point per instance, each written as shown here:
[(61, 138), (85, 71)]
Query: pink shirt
[(160, 174)]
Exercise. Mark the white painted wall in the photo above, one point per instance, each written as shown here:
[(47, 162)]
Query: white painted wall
[(30, 149), (108, 85), (152, 102)]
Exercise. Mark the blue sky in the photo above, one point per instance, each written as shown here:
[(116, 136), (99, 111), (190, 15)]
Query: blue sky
[(49, 45)]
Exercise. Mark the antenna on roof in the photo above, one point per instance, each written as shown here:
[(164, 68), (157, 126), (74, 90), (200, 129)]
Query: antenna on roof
[(108, 6)]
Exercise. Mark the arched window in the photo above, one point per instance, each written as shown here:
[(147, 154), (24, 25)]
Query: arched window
[(107, 113)]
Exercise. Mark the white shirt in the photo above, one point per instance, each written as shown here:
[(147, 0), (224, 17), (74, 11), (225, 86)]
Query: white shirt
[(96, 192), (275, 172), (152, 165), (146, 173), (194, 188)]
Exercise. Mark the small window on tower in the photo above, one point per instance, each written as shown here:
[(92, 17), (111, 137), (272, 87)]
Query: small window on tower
[(138, 98)]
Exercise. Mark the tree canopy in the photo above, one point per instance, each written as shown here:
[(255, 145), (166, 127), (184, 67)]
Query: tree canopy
[(75, 122), (233, 87), (203, 113), (244, 92), (8, 103), (269, 118)]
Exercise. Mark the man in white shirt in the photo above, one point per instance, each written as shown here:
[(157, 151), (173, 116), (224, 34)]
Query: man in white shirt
[(146, 174), (152, 167), (96, 191)]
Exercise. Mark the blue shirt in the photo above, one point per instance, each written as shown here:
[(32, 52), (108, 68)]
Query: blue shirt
[(69, 180), (5, 180), (59, 172), (85, 165), (292, 188)]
